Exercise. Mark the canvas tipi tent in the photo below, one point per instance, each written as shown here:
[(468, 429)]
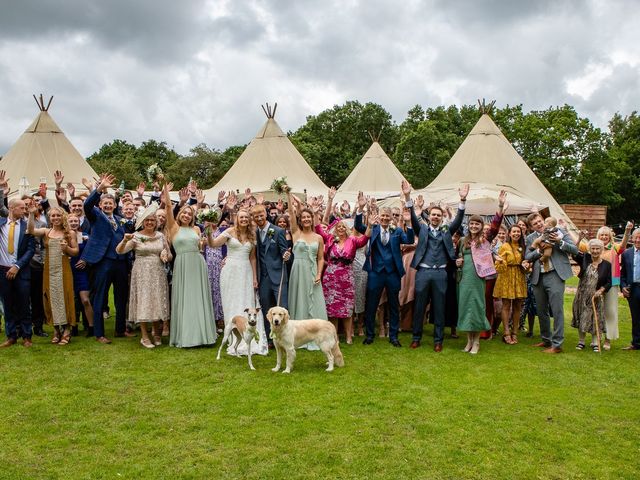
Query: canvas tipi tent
[(375, 175), (489, 163), (270, 155), (41, 150)]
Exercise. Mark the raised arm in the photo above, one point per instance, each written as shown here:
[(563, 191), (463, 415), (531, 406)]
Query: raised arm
[(220, 240), (327, 213), (31, 222), (172, 226), (293, 222)]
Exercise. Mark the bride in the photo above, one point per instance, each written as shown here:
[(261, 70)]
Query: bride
[(238, 279)]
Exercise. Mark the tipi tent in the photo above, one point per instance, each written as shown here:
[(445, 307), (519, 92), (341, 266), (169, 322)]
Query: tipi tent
[(41, 150), (375, 174), (489, 163), (270, 155)]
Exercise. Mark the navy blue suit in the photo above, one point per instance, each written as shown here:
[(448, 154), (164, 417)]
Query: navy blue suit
[(626, 281), (384, 266), (271, 270), (107, 267), (16, 293)]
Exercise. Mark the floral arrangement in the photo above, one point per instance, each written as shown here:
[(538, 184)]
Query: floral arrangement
[(154, 173), (279, 184), (208, 215), (141, 238), (392, 228), (270, 233)]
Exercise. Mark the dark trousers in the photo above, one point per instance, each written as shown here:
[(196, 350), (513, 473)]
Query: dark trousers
[(105, 273), (15, 296), (376, 283), (634, 306), (431, 286), (37, 308), (268, 293)]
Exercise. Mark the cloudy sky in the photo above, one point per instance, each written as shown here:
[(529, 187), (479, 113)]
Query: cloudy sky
[(194, 71)]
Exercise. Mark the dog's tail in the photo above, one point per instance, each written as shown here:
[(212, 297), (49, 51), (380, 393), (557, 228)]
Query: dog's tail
[(338, 359)]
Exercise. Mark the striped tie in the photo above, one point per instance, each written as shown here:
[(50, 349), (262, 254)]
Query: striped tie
[(12, 230)]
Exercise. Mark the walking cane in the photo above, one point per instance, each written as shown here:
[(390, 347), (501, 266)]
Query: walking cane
[(595, 319)]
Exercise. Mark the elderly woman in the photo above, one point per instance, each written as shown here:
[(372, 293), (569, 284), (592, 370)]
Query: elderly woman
[(149, 292), (595, 281), (338, 282), (57, 287)]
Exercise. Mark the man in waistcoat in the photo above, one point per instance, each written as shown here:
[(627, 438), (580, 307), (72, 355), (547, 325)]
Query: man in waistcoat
[(434, 250)]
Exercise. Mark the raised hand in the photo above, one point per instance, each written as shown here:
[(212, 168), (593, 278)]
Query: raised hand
[(184, 194), (58, 178), (259, 198), (4, 182), (200, 196), (71, 189), (221, 195), (87, 184), (232, 200), (128, 236), (169, 186), (280, 205), (502, 198), (141, 188), (373, 219), (106, 181), (463, 191), (405, 187), (33, 208), (247, 192), (420, 202), (332, 193), (629, 227), (362, 201)]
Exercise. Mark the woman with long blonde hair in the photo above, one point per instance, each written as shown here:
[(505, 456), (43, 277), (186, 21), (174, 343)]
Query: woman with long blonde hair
[(57, 286)]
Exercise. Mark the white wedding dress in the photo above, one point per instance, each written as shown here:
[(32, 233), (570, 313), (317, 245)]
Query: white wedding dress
[(236, 290)]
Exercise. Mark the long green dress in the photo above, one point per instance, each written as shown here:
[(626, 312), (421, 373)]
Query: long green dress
[(192, 320), (472, 311), (306, 300)]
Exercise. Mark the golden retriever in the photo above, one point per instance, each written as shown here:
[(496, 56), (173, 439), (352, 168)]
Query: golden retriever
[(287, 335)]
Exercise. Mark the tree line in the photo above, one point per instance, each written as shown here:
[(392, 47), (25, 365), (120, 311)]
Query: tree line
[(577, 162)]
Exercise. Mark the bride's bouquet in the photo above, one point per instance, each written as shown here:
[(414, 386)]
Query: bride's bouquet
[(154, 173), (208, 215), (279, 184)]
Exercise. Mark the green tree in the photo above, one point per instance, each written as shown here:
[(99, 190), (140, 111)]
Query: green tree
[(204, 164), (117, 158), (624, 157), (336, 139)]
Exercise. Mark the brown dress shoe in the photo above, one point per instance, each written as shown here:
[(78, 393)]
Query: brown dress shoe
[(437, 347), (415, 344), (541, 344), (104, 340), (552, 350), (630, 347), (8, 342), (27, 342)]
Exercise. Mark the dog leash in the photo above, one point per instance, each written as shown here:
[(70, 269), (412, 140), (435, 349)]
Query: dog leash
[(284, 266)]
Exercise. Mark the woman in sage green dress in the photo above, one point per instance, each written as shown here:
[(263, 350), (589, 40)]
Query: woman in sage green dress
[(472, 316), (306, 298), (192, 320)]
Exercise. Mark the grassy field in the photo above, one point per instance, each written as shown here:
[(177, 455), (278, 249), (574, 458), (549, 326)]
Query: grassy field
[(120, 411)]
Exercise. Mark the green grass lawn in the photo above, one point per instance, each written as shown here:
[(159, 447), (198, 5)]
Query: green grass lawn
[(120, 411)]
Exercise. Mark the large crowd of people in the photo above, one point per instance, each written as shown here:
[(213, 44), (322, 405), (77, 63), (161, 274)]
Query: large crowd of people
[(181, 270)]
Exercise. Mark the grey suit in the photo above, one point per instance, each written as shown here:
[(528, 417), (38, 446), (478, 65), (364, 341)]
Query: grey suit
[(548, 287)]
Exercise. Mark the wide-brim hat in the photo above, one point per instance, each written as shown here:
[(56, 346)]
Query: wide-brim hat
[(149, 211)]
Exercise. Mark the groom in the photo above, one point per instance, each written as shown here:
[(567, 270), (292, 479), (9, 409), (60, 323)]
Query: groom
[(271, 252)]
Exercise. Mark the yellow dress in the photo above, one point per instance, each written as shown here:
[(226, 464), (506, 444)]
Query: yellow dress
[(511, 282)]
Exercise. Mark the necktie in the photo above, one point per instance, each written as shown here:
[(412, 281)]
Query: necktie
[(385, 237), (113, 223), (12, 230), (636, 264), (263, 235)]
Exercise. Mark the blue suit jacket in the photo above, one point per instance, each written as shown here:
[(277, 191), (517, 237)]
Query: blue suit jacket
[(271, 252), (397, 237), (626, 268), (26, 249), (423, 236), (101, 230)]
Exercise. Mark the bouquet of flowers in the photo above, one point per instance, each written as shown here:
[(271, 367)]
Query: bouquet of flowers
[(279, 184), (208, 215), (154, 173)]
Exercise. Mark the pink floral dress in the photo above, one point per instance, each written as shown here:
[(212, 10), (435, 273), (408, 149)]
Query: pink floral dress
[(338, 282)]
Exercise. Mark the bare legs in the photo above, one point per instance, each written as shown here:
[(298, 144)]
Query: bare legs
[(511, 309)]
